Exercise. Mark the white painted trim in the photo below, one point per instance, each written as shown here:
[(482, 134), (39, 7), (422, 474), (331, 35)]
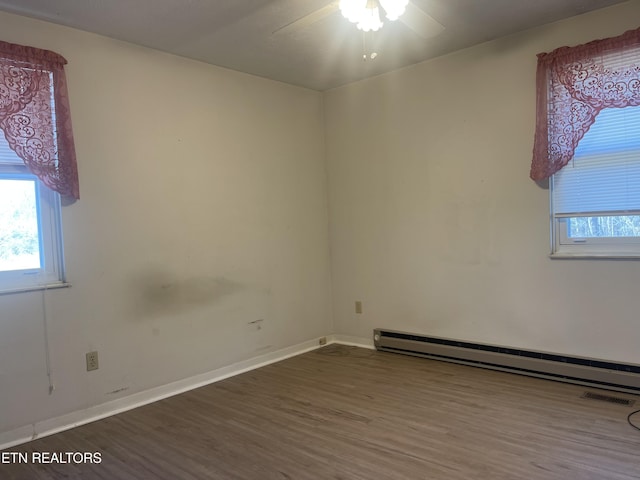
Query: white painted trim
[(51, 426), (353, 341), (35, 288)]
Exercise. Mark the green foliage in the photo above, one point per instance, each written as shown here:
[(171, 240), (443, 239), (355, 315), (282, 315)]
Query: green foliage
[(19, 241)]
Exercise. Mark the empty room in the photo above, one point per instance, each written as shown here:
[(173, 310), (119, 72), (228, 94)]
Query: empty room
[(282, 239)]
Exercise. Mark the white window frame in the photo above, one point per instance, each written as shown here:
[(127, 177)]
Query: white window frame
[(51, 273), (564, 246)]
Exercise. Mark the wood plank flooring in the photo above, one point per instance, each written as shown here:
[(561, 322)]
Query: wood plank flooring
[(349, 413)]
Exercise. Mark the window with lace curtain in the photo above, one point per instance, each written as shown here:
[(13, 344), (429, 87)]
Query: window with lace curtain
[(30, 227), (588, 145), (37, 167)]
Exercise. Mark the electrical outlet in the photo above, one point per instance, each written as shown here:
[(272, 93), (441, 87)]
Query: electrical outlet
[(358, 306), (322, 341), (92, 361)]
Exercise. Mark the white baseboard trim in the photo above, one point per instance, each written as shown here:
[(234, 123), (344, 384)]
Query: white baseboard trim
[(51, 426), (353, 341)]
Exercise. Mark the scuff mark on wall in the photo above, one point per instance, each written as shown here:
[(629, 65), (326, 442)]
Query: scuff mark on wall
[(119, 390), (157, 292), (256, 324)]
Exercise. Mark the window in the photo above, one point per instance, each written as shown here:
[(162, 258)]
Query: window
[(595, 198), (30, 233), (587, 144), (37, 165)]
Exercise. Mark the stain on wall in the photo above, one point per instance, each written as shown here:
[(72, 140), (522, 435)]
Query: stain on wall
[(157, 292)]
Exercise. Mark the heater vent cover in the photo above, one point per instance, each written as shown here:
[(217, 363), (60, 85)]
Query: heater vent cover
[(580, 370)]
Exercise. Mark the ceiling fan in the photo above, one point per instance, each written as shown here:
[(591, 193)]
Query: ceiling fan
[(413, 17)]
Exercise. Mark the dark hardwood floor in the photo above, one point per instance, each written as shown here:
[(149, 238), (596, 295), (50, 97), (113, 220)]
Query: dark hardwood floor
[(349, 413)]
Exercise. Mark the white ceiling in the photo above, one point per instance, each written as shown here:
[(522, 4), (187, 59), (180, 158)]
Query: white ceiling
[(319, 52)]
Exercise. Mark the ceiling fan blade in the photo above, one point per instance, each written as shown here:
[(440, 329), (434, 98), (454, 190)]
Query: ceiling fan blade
[(420, 22), (309, 19)]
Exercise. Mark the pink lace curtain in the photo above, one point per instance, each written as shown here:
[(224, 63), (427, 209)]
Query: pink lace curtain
[(573, 85), (37, 124)]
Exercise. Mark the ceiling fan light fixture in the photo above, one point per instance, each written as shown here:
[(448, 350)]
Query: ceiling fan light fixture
[(370, 20), (394, 8), (366, 13), (352, 9)]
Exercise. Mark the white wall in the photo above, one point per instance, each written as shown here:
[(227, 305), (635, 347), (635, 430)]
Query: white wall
[(203, 208), (434, 223)]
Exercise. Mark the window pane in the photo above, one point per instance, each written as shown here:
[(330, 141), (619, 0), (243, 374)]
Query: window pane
[(605, 173), (19, 236), (604, 226)]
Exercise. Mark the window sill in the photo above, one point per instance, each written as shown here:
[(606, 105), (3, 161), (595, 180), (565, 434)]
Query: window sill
[(34, 288), (593, 256)]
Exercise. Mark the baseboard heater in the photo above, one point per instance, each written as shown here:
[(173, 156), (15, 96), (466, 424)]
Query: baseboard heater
[(621, 377)]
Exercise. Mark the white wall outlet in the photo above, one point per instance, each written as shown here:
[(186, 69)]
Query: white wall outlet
[(92, 361)]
